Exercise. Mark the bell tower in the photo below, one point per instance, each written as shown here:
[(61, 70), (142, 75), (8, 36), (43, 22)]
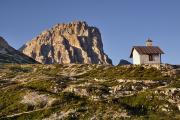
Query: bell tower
[(149, 42)]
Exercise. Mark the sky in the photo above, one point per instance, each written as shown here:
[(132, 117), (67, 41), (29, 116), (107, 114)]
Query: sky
[(122, 23)]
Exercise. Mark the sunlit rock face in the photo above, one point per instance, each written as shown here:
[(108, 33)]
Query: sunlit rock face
[(75, 42)]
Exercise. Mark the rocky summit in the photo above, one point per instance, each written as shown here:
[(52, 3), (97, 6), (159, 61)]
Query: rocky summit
[(124, 62), (9, 55), (75, 42)]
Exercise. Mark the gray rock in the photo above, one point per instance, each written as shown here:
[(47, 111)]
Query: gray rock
[(75, 42), (124, 62), (9, 55)]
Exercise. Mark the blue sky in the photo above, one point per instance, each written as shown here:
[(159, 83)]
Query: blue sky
[(123, 23)]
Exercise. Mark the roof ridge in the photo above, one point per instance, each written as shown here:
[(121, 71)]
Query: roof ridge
[(147, 50), (145, 46)]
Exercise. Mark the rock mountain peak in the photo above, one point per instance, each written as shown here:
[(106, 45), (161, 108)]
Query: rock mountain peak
[(75, 42), (10, 55)]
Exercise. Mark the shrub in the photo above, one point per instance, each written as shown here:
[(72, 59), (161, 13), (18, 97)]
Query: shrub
[(19, 68), (10, 101), (143, 104), (40, 85), (132, 72)]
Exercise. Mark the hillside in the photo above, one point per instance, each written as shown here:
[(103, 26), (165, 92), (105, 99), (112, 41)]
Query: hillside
[(75, 91), (74, 42), (9, 55)]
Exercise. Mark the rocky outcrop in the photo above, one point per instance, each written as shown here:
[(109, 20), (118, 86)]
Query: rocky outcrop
[(75, 42), (124, 62), (9, 55)]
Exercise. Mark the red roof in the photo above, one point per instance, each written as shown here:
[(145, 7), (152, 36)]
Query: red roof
[(146, 50)]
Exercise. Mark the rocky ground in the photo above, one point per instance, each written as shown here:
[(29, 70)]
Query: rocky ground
[(92, 92)]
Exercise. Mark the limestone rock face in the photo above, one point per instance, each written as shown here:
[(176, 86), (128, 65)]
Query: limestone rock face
[(9, 55), (75, 42)]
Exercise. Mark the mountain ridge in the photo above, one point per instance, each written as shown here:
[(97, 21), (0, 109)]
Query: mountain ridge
[(10, 55)]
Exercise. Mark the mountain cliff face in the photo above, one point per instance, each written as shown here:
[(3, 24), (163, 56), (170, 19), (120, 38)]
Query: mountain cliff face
[(9, 55), (75, 42)]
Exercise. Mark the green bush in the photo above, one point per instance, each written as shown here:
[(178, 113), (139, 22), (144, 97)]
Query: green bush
[(19, 68), (98, 90), (132, 72), (14, 70), (175, 84), (143, 104), (10, 101), (69, 96), (40, 85)]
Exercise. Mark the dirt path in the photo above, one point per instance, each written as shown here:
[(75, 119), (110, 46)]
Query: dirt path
[(18, 114)]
